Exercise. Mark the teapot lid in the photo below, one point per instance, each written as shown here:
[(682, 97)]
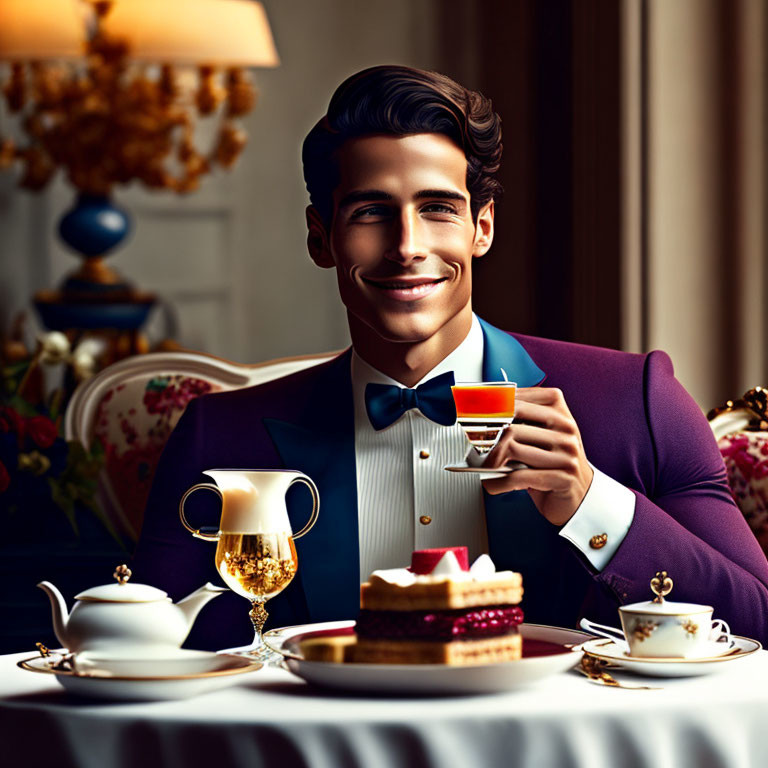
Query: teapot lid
[(122, 592), (661, 585)]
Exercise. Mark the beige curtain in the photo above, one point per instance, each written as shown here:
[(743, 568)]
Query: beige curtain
[(705, 191), (635, 175)]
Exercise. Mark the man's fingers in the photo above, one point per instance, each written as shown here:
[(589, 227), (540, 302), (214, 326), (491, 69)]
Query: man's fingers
[(533, 456), (529, 434), (528, 479), (542, 395), (543, 415), (566, 441)]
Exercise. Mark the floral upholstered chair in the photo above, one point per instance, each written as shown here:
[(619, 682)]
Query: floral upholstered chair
[(741, 430), (129, 409)]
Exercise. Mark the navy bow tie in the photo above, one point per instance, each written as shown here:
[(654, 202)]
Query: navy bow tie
[(386, 403)]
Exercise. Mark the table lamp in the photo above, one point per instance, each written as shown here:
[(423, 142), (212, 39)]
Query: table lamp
[(110, 91)]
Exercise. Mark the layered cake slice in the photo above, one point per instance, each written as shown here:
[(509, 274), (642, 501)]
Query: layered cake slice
[(440, 611)]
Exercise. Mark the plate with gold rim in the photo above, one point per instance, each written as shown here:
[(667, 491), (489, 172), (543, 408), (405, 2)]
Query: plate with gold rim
[(547, 651), (222, 670), (484, 473), (615, 652)]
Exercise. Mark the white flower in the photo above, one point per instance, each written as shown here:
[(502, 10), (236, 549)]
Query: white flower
[(84, 359), (84, 365), (54, 348)]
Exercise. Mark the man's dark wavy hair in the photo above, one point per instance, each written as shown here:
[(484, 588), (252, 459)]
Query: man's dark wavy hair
[(400, 101)]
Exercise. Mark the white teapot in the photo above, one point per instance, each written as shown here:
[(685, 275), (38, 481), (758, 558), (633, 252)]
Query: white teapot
[(124, 617)]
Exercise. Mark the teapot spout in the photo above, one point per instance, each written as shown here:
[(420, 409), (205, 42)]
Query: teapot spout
[(58, 610), (191, 604)]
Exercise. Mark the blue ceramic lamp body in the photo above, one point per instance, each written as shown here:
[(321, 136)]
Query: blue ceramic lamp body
[(94, 226)]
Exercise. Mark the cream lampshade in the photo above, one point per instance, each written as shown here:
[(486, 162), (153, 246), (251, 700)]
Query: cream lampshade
[(41, 29)]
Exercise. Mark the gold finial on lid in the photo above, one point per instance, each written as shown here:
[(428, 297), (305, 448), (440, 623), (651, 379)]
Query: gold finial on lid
[(661, 585), (122, 573)]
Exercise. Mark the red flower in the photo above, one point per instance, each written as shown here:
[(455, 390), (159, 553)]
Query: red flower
[(10, 421), (42, 431), (5, 478), (166, 394)]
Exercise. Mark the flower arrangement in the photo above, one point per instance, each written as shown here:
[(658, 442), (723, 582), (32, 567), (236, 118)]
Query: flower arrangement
[(746, 461), (40, 472)]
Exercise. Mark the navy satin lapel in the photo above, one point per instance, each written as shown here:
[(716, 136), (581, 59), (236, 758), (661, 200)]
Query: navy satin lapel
[(505, 351), (322, 446), (510, 517)]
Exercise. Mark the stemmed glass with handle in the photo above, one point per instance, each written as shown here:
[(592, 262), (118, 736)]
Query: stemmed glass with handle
[(483, 410), (255, 553)]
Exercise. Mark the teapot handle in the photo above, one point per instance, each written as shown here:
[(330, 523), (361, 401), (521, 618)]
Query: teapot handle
[(198, 533), (315, 504)]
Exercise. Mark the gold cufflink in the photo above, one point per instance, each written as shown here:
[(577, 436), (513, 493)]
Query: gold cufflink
[(598, 541)]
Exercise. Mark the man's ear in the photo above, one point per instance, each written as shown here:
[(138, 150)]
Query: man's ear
[(484, 230), (317, 239)]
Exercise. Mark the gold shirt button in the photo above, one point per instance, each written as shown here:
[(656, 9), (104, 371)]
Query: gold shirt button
[(423, 454), (598, 541), (425, 519)]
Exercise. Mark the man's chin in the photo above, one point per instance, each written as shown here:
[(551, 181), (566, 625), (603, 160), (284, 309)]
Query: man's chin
[(408, 328), (404, 330)]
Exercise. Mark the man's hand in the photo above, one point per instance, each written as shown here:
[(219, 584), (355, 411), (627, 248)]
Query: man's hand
[(549, 442)]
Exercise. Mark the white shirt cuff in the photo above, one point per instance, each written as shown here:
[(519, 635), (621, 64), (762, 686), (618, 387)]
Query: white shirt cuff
[(607, 510)]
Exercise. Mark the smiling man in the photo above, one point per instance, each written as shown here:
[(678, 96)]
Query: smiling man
[(402, 241), (622, 475)]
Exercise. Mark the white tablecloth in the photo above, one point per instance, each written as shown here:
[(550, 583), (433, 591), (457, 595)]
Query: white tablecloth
[(270, 718)]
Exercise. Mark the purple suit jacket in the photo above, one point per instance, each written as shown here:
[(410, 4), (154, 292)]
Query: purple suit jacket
[(638, 425)]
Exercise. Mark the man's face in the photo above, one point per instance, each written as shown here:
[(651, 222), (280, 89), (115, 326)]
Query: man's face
[(402, 237)]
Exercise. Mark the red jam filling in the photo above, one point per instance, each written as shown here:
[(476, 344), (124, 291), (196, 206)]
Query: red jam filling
[(462, 624)]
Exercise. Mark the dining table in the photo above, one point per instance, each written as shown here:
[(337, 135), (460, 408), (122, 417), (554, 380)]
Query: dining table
[(272, 717)]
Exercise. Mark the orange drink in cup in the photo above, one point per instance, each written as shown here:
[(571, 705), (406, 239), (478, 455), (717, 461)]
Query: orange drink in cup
[(483, 409)]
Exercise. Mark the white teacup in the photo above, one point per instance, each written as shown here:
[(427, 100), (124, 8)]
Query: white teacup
[(673, 630)]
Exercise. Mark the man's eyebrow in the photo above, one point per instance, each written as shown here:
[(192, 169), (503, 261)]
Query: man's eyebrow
[(366, 195), (362, 196), (443, 194)]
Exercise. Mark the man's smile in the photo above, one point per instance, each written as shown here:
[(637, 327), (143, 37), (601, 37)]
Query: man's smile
[(405, 288)]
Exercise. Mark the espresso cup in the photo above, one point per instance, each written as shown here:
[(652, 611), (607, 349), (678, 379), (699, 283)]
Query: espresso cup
[(672, 630)]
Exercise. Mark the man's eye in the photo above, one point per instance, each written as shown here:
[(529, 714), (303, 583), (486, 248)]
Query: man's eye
[(370, 211), (439, 208)]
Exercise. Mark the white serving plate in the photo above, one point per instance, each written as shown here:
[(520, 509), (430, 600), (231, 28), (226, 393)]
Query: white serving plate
[(153, 662), (616, 652), (211, 671), (430, 678)]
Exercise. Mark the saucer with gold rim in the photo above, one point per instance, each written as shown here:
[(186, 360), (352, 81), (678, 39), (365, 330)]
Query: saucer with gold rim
[(215, 671), (615, 652)]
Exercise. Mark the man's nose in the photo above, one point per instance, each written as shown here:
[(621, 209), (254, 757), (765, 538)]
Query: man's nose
[(408, 239)]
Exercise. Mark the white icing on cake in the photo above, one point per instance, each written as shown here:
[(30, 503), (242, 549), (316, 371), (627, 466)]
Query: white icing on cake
[(483, 568), (447, 569), (447, 565)]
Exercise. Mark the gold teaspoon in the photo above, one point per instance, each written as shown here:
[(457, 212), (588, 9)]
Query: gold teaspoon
[(594, 669)]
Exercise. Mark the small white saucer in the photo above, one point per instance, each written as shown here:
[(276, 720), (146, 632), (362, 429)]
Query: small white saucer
[(215, 673), (615, 651), (488, 474), (151, 662)]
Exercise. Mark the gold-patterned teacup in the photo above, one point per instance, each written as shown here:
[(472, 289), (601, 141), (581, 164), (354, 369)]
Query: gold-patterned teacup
[(661, 628)]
